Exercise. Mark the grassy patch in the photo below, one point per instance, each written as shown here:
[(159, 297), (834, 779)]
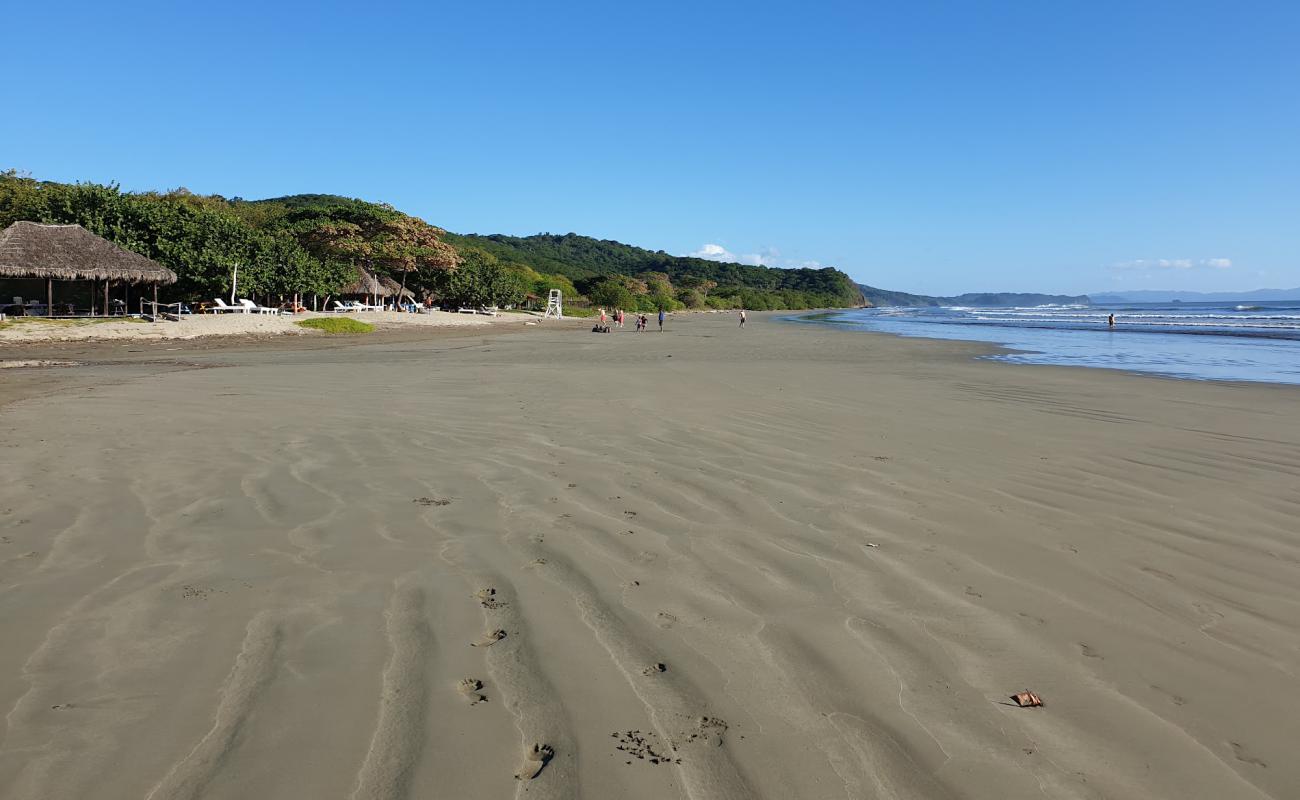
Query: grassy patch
[(336, 325)]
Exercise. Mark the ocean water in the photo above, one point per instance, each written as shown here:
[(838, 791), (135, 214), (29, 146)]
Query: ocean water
[(1205, 341)]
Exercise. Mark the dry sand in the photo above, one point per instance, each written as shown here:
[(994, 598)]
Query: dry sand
[(787, 562), (35, 331)]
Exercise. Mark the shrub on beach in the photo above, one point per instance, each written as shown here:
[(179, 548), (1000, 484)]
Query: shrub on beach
[(336, 325)]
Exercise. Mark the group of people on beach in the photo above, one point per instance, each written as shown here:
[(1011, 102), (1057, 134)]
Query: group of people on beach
[(642, 320), (619, 316)]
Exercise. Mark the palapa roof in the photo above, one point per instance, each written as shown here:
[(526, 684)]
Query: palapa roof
[(394, 288), (366, 283), (72, 253)]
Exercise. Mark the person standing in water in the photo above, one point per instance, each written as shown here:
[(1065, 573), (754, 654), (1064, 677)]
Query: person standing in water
[(661, 320), (742, 317), (1110, 321)]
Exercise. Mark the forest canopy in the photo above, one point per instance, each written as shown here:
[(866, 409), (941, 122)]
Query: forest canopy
[(317, 243)]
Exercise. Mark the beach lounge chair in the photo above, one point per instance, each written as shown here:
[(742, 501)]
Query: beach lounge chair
[(254, 308), (222, 307)]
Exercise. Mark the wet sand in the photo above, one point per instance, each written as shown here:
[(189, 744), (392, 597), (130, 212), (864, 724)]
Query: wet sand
[(781, 562)]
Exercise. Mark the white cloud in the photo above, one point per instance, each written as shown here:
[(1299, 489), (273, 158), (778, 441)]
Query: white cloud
[(766, 257), (713, 252), (1149, 264)]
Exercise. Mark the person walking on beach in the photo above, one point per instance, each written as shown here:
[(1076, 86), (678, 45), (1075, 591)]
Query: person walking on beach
[(643, 321), (602, 318), (618, 315), (661, 320), (742, 317)]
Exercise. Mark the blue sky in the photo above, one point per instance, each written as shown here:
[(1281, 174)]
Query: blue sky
[(921, 146)]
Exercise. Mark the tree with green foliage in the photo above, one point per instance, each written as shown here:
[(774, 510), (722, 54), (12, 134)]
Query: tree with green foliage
[(612, 293), (200, 241), (361, 234), (479, 280)]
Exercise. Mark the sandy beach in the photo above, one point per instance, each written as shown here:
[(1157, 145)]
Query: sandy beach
[(783, 562), (35, 331)]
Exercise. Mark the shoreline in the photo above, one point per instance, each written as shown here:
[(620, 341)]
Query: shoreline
[(995, 351)]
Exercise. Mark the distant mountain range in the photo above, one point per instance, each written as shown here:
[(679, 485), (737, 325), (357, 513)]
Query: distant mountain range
[(884, 297), (1158, 296)]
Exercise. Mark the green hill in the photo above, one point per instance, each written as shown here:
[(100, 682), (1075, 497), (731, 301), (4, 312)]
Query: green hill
[(591, 263), (321, 243)]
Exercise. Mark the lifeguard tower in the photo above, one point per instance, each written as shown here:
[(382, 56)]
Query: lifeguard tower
[(554, 305)]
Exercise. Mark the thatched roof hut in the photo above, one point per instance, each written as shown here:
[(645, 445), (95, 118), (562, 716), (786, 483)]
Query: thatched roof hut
[(394, 288), (71, 253), (366, 283)]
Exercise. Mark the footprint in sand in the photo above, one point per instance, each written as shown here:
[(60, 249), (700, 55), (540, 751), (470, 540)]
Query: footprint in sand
[(665, 620), (469, 689), (708, 730), (630, 513), (488, 598), (535, 761), (573, 486), (1088, 652), (1239, 753), (536, 562), (970, 590), (488, 639), (655, 669), (642, 745), (1211, 614)]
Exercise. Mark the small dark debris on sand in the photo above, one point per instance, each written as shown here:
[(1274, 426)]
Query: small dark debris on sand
[(432, 501), (643, 746)]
